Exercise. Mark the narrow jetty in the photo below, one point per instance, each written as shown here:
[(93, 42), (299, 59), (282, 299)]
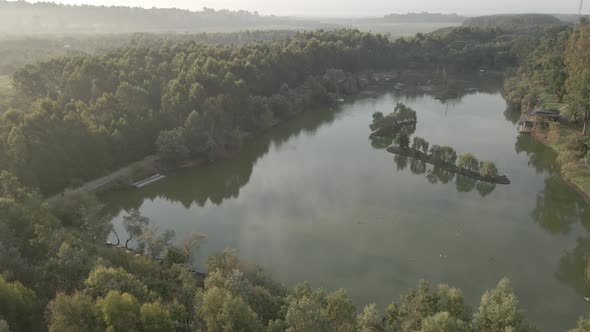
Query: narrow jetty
[(150, 180), (411, 153)]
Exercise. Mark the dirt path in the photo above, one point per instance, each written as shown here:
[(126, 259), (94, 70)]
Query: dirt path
[(102, 181)]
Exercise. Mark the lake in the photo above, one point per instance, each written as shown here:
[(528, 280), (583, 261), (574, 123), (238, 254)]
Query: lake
[(315, 200)]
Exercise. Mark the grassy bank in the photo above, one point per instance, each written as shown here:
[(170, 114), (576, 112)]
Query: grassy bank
[(559, 136), (574, 171)]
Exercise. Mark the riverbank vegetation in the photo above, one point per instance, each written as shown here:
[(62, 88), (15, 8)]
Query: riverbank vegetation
[(555, 76), (58, 275)]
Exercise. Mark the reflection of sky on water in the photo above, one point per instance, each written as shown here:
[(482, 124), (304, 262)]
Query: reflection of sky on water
[(324, 206)]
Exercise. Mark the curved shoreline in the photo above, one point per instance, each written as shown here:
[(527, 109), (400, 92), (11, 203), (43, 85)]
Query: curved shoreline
[(411, 153), (584, 195)]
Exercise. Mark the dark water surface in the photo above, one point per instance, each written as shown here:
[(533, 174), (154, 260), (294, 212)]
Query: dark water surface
[(316, 200)]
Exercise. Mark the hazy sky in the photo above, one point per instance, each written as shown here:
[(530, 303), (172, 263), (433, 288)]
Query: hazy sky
[(358, 7)]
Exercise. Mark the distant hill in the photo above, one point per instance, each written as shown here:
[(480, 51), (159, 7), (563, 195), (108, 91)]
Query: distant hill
[(513, 20), (570, 18), (423, 17), (17, 17)]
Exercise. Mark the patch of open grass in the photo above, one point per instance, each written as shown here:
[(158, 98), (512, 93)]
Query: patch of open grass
[(548, 99), (580, 176), (565, 133)]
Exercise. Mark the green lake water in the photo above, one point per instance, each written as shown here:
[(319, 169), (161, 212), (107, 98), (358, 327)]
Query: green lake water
[(315, 200)]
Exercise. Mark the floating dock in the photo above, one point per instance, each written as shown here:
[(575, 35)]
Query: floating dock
[(150, 180)]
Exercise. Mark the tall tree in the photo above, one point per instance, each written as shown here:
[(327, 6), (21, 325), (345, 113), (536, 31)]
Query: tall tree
[(499, 310), (577, 59), (135, 224), (76, 312)]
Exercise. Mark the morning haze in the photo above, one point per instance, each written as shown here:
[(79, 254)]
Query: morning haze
[(285, 166), (332, 8)]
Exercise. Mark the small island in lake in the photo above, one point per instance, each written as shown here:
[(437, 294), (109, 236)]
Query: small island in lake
[(401, 124)]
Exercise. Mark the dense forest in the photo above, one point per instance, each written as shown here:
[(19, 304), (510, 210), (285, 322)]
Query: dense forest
[(58, 275), (75, 118), (508, 21), (18, 51), (18, 17), (555, 74)]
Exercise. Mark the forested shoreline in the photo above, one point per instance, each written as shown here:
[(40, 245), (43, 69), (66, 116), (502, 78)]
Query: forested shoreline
[(555, 75), (74, 118), (58, 275)]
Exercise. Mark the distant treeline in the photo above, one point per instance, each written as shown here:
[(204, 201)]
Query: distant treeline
[(423, 17), (512, 20), (17, 17), (17, 51)]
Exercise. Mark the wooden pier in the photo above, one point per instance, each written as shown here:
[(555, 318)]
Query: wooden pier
[(150, 180)]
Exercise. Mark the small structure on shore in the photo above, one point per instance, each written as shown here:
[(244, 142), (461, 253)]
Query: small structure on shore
[(150, 180), (525, 127), (544, 115), (540, 117)]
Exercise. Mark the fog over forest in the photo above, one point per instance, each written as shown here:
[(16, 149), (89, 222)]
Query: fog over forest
[(280, 165)]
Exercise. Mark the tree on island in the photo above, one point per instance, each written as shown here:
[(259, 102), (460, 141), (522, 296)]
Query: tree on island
[(469, 162)]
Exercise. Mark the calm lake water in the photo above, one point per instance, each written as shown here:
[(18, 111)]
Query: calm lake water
[(316, 200)]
